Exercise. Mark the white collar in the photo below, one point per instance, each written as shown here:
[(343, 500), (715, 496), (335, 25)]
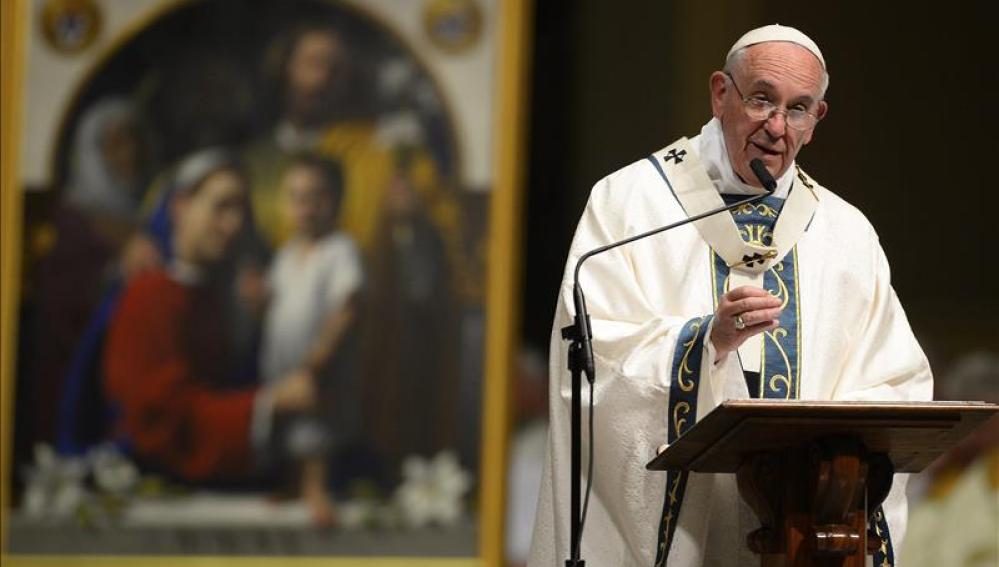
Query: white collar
[(710, 144)]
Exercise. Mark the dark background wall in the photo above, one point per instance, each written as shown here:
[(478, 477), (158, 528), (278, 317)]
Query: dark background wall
[(910, 138)]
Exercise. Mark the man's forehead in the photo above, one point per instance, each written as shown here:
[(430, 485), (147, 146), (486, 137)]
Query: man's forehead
[(775, 64), (792, 53)]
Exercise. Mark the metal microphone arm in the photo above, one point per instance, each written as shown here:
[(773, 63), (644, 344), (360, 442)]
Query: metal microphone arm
[(580, 352)]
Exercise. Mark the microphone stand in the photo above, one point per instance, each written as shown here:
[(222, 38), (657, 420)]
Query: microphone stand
[(580, 355)]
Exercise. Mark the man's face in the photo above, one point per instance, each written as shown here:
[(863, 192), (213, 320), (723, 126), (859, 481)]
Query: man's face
[(209, 220), (315, 74), (307, 200), (788, 76)]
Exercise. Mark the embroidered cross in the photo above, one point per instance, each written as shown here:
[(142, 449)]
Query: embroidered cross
[(750, 260), (675, 155)]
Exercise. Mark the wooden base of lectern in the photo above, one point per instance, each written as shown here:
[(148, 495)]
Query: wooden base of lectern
[(813, 502), (813, 471)]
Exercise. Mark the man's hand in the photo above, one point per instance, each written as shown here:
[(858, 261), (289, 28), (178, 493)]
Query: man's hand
[(757, 309), (294, 392)]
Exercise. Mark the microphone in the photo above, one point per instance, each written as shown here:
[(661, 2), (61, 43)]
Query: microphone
[(581, 357), (760, 170)]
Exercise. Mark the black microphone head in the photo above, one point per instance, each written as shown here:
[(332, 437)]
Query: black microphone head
[(767, 180)]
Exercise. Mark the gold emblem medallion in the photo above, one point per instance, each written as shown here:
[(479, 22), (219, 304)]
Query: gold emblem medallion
[(70, 26)]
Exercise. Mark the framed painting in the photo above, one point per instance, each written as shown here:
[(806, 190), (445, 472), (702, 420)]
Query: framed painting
[(259, 273)]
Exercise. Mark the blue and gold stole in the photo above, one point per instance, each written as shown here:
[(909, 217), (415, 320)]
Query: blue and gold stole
[(781, 358), (780, 369), (778, 376)]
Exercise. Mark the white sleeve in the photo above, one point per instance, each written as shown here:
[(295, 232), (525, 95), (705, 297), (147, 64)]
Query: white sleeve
[(634, 347), (886, 362), (346, 273)]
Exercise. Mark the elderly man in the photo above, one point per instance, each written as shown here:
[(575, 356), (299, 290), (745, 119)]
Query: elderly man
[(789, 298)]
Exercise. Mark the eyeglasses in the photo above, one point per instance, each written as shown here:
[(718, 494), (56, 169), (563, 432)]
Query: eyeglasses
[(758, 108)]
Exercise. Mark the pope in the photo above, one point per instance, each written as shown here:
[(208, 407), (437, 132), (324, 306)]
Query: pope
[(789, 298)]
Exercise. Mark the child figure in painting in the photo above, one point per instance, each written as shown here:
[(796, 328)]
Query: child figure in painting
[(313, 286)]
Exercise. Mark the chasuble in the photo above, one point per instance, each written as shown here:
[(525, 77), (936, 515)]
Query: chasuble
[(843, 335)]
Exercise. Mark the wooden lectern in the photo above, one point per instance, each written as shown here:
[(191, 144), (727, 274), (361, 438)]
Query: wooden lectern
[(814, 472)]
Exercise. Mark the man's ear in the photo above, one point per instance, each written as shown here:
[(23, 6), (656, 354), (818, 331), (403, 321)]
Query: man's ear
[(820, 112), (718, 83)]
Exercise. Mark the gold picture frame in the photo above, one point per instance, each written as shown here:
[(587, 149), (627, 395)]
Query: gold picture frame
[(501, 298)]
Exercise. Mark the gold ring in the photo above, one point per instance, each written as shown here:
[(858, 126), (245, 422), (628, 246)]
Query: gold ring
[(739, 323)]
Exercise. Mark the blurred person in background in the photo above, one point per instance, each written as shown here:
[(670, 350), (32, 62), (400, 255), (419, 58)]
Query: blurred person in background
[(166, 362), (314, 283), (955, 519), (322, 101), (408, 355), (85, 243), (527, 453), (308, 77)]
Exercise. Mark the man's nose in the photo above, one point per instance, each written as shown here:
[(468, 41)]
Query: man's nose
[(776, 124)]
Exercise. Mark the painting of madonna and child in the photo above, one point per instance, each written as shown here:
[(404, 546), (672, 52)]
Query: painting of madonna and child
[(251, 317)]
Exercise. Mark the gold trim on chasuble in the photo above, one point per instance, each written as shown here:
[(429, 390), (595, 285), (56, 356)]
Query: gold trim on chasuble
[(685, 372)]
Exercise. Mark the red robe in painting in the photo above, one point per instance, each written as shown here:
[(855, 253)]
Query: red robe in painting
[(165, 369)]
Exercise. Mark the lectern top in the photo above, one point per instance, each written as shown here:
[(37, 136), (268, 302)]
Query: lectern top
[(912, 434)]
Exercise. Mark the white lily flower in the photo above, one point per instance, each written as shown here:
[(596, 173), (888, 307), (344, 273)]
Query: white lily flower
[(433, 491), (113, 472), (54, 485)]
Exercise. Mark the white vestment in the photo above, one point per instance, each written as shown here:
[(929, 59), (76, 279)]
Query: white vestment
[(854, 344)]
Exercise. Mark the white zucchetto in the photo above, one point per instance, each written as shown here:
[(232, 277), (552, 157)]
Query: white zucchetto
[(777, 32)]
